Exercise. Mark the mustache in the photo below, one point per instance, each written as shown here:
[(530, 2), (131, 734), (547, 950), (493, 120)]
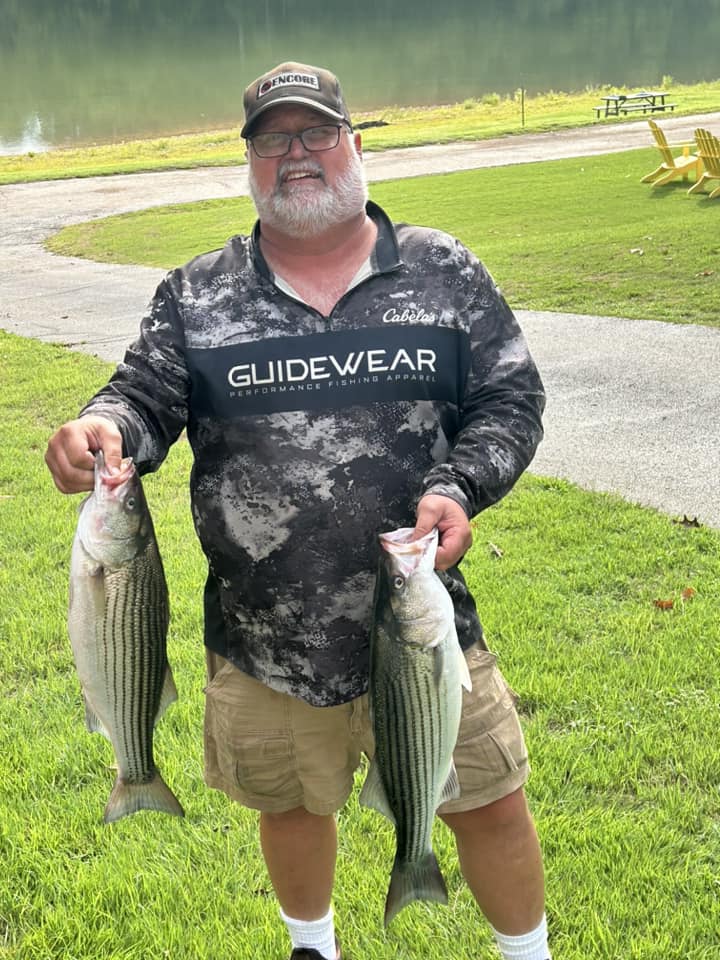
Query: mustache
[(299, 166)]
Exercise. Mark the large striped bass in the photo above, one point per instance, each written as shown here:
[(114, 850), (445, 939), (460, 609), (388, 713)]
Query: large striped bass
[(417, 670), (118, 622)]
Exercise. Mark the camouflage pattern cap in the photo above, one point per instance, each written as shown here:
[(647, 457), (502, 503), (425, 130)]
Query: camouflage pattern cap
[(295, 83)]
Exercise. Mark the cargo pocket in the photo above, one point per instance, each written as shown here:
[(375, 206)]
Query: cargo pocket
[(508, 745), (264, 768), (247, 755), (257, 769)]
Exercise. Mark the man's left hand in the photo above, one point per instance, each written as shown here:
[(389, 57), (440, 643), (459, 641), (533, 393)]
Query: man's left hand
[(453, 526)]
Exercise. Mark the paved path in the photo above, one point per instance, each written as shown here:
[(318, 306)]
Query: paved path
[(632, 405)]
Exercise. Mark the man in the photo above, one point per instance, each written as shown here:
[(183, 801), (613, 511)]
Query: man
[(338, 376)]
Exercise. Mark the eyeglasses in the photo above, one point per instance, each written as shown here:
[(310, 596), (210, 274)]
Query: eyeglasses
[(314, 139)]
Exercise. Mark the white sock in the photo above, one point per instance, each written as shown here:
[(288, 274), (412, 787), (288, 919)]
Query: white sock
[(317, 934), (528, 946)]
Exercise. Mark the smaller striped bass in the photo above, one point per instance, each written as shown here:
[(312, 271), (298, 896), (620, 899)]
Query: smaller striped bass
[(118, 620), (417, 671)]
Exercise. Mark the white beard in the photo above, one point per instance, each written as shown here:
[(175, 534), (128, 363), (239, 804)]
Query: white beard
[(308, 213)]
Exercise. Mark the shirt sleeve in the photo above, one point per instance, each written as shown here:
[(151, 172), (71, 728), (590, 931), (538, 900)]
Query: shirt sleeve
[(148, 395), (502, 403)]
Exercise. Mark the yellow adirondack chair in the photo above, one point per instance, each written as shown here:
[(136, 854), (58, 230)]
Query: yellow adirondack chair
[(708, 148), (671, 166)]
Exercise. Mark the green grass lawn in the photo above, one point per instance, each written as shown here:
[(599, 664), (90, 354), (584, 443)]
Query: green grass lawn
[(579, 235), (618, 697), (474, 119)]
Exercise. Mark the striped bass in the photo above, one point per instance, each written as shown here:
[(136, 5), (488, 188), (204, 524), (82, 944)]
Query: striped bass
[(417, 670), (118, 620)]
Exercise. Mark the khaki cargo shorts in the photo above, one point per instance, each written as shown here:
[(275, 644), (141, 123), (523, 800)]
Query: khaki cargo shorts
[(274, 752)]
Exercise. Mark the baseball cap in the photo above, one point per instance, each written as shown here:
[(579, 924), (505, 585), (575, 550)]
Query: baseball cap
[(295, 83)]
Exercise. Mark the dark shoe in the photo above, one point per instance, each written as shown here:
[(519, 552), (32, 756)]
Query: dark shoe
[(307, 953)]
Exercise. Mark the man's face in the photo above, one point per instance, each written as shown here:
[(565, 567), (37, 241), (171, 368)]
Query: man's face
[(305, 193)]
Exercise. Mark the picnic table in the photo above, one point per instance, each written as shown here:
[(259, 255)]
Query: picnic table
[(649, 101)]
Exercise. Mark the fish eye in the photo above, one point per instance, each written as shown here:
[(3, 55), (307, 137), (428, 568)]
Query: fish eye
[(398, 582), (130, 503)]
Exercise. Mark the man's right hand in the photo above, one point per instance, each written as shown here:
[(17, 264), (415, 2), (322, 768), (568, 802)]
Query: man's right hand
[(70, 452)]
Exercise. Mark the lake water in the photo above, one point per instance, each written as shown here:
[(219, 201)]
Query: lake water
[(84, 71)]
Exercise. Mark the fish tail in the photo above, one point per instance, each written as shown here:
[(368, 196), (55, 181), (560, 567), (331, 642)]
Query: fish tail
[(128, 798), (414, 881)]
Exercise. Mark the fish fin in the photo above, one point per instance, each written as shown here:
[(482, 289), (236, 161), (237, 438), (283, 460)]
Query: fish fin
[(373, 792), (168, 694), (93, 722), (439, 663), (451, 790), (414, 881), (127, 798), (464, 670)]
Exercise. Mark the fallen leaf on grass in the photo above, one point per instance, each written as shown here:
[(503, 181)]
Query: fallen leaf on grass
[(664, 604), (687, 594), (705, 273), (637, 250), (496, 551)]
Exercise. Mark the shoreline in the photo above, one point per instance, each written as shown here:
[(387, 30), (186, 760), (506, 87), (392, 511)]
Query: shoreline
[(473, 121)]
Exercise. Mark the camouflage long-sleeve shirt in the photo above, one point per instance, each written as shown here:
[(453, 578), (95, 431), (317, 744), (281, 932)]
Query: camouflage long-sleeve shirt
[(313, 434)]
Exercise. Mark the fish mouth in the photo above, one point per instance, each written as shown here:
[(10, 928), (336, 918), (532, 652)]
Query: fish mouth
[(111, 477), (404, 552), (403, 541)]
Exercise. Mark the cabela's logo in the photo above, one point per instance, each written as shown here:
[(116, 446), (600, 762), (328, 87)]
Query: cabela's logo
[(409, 316)]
